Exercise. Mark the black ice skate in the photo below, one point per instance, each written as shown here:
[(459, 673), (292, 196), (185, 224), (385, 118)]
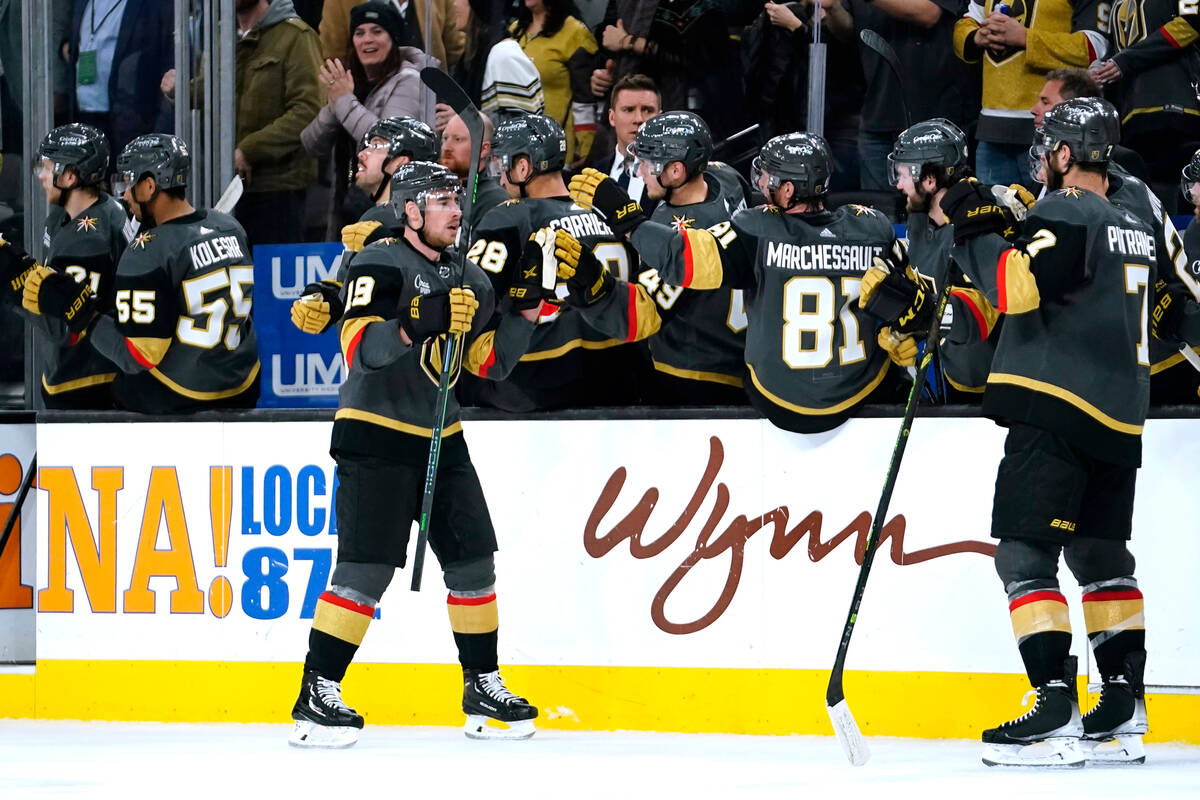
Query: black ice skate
[(322, 718), (1113, 729), (486, 699), (1045, 736)]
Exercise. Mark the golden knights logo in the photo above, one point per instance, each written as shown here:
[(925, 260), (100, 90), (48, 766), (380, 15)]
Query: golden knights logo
[(141, 241), (680, 224), (86, 224), (432, 356), (1020, 10), (1128, 20)]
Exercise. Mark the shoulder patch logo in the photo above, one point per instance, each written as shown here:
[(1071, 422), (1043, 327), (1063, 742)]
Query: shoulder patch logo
[(861, 210), (680, 223), (86, 224), (1073, 192), (141, 241)]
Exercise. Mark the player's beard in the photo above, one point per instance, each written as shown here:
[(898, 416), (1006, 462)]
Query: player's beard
[(920, 202), (1054, 178)]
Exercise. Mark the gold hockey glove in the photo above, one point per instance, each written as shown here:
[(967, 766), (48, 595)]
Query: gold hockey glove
[(57, 295), (594, 190), (358, 235), (462, 309), (900, 347), (586, 278), (974, 210), (319, 307), (894, 292)]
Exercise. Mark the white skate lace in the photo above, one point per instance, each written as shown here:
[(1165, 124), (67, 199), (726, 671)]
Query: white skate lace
[(493, 684), (1025, 702), (330, 693)]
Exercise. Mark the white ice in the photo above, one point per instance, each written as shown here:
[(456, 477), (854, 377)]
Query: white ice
[(96, 760)]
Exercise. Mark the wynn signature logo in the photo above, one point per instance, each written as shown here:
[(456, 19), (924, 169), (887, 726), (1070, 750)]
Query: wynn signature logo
[(735, 536)]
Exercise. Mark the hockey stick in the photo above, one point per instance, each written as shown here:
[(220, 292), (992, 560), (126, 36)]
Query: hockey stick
[(19, 501), (877, 43), (450, 93), (844, 725), (229, 198)]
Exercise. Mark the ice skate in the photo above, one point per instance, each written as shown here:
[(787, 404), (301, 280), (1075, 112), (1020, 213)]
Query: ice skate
[(493, 712), (322, 719), (1045, 736), (1113, 729)]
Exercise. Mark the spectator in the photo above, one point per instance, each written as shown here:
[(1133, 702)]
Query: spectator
[(921, 32), (380, 79), (494, 71), (446, 44), (1153, 74), (635, 99), (278, 57), (456, 156), (563, 50), (118, 52), (1017, 51)]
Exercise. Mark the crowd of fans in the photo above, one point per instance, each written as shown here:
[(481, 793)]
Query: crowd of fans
[(314, 76)]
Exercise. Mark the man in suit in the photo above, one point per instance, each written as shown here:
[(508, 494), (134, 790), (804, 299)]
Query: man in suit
[(634, 99), (118, 51)]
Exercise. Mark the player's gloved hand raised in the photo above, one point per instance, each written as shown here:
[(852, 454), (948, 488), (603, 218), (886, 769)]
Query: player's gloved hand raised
[(425, 316), (358, 235), (319, 307), (894, 292), (586, 278), (535, 278), (57, 295), (15, 265), (1016, 198), (900, 347), (974, 210), (595, 190), (1167, 316)]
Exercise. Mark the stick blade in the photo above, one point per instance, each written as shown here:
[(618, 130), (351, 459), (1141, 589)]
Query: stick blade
[(229, 198), (851, 738)]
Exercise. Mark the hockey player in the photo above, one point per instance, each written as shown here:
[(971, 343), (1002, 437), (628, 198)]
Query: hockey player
[(404, 295), (1071, 380), (811, 354), (570, 363), (1189, 185), (85, 234), (456, 154), (181, 332)]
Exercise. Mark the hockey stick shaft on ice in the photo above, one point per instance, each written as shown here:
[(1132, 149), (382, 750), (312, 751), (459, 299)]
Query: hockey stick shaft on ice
[(877, 43), (450, 93), (844, 725)]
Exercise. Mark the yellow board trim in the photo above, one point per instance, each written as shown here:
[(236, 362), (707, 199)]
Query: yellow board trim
[(581, 697), (842, 406), (1067, 397), (698, 375), (78, 383), (394, 424), (177, 389)]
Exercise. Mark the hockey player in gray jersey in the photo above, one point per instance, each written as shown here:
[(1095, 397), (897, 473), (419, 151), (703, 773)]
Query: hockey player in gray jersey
[(404, 295), (181, 332), (386, 146), (811, 354), (1071, 380), (85, 234)]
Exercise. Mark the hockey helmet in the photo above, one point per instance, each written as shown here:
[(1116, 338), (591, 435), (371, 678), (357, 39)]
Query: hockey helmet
[(79, 146), (159, 155), (674, 136), (800, 158), (535, 136), (935, 141), (405, 137), (1090, 126), (418, 180), (1189, 177)]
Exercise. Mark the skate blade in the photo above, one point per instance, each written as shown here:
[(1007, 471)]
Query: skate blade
[(1048, 754), (309, 734), (480, 727), (1121, 749)]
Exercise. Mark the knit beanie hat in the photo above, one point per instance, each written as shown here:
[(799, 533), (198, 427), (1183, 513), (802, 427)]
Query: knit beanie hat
[(383, 14)]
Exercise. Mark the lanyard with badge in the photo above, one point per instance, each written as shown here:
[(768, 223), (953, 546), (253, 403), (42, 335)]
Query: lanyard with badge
[(86, 69)]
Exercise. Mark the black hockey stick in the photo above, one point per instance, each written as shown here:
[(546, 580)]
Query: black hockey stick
[(877, 43), (19, 501), (450, 93), (835, 699)]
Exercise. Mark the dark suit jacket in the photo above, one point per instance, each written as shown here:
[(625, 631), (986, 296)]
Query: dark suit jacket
[(605, 165), (145, 50)]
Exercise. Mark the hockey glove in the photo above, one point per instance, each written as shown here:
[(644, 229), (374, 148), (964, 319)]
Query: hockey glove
[(1016, 198), (1167, 316), (528, 289), (900, 347), (894, 292), (586, 278), (360, 234), (57, 295), (974, 210), (15, 266), (594, 190), (319, 307), (428, 315)]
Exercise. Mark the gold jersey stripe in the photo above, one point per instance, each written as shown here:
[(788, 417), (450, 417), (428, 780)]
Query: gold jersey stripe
[(350, 329), (1169, 361), (644, 311), (842, 406), (1068, 397), (483, 618), (1041, 616), (1018, 288), (1182, 34), (1114, 615), (480, 352), (341, 623), (698, 375), (394, 424), (149, 348), (702, 259), (574, 344), (219, 395), (1157, 109), (78, 383), (963, 387)]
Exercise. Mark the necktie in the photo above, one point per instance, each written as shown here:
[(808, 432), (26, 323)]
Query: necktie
[(623, 179)]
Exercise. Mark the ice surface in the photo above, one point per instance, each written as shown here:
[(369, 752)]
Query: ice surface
[(43, 759)]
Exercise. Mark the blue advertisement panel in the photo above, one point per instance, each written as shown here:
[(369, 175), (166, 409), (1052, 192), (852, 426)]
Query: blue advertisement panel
[(299, 370)]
